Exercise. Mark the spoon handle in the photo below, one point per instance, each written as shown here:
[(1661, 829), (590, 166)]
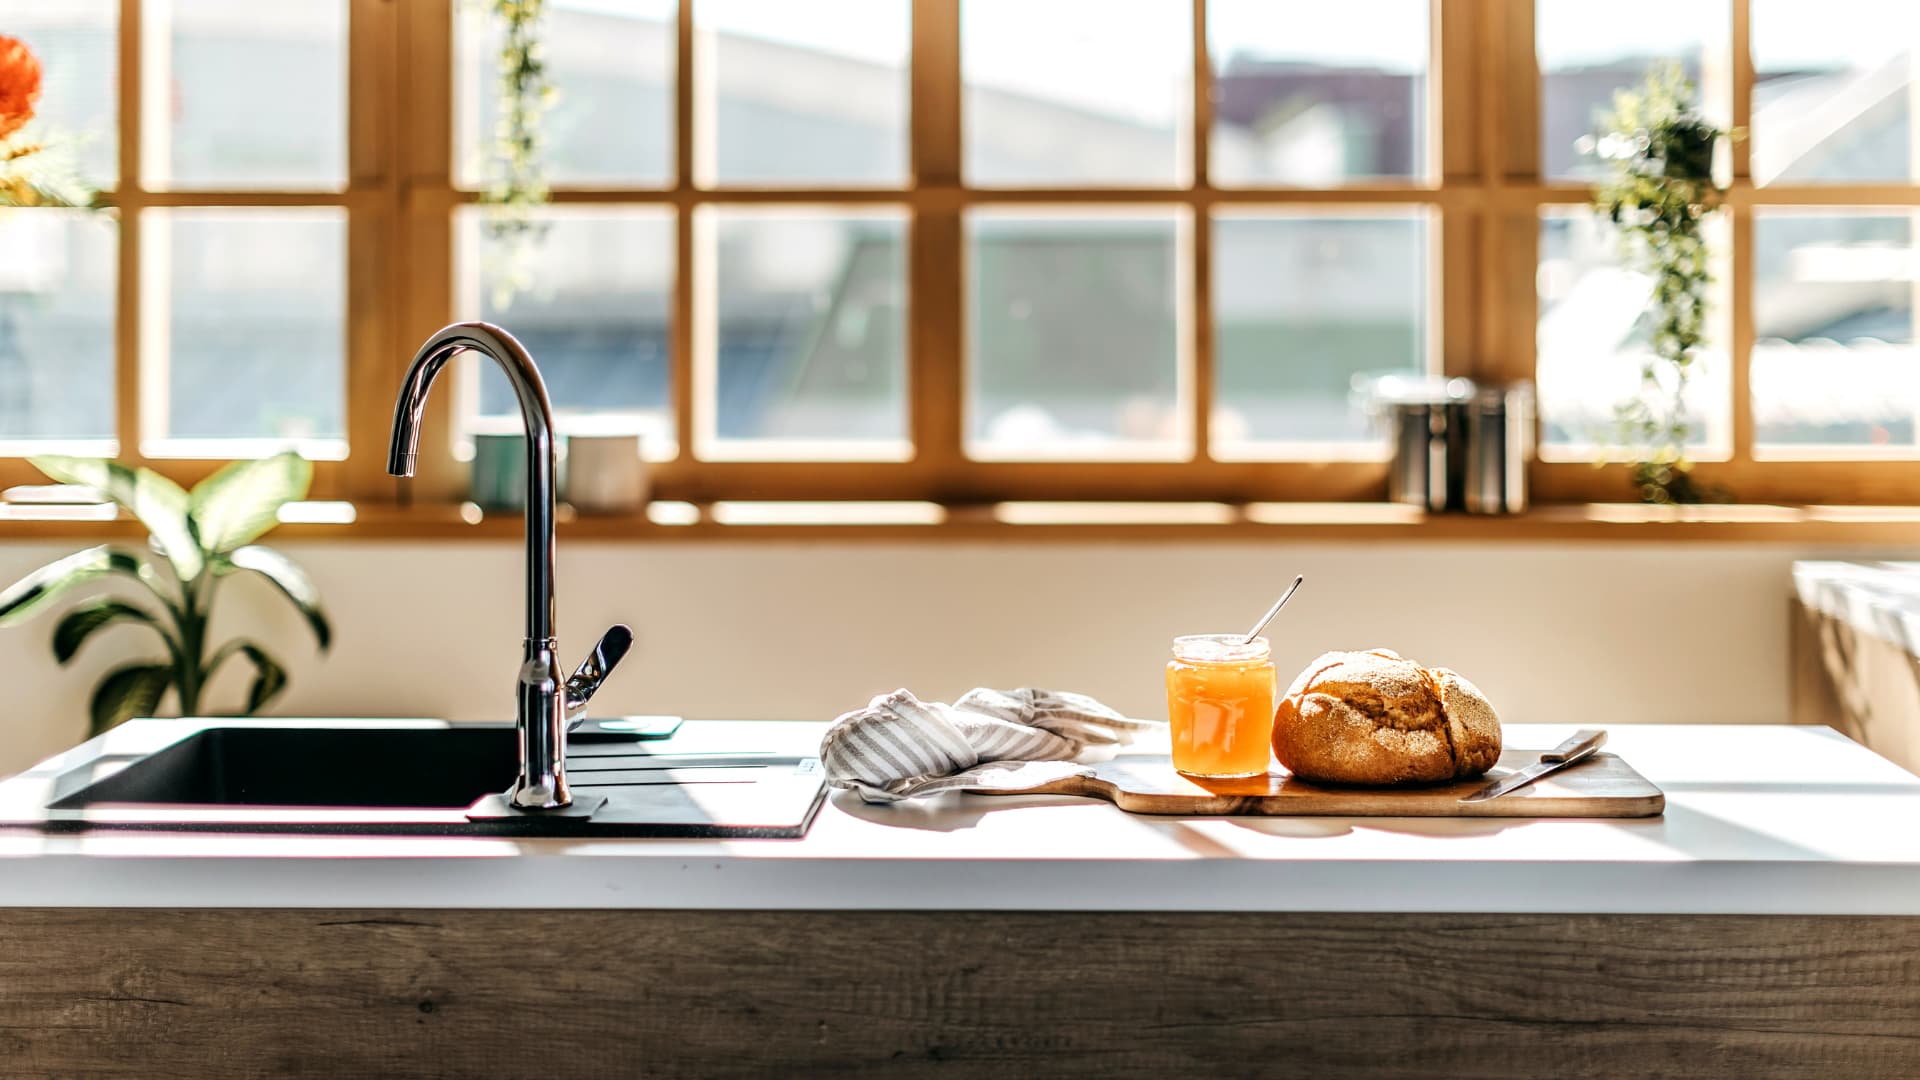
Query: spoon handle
[(1274, 610)]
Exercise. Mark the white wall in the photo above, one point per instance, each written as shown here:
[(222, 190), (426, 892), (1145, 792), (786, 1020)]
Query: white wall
[(1603, 634)]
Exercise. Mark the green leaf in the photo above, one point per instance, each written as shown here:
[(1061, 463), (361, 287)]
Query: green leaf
[(127, 692), (159, 503), (238, 504), (21, 600), (80, 623), (287, 576), (269, 678)]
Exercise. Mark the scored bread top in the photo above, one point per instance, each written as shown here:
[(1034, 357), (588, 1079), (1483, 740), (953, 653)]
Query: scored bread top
[(1375, 717), (1475, 727), (1386, 687)]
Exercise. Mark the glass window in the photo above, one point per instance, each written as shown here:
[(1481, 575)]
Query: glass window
[(1076, 92), (804, 313), (803, 93), (611, 64), (243, 334), (244, 95), (76, 42), (589, 297), (1833, 90), (56, 326), (1307, 308), (1834, 356), (1588, 51), (1594, 336), (1316, 94), (1076, 337)]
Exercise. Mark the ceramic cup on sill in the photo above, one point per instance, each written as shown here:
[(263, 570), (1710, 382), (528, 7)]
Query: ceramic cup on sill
[(497, 479), (605, 473)]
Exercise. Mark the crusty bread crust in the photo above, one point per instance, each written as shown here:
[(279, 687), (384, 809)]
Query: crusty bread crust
[(1376, 717)]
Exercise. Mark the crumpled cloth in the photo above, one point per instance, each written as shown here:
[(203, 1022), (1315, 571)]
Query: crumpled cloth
[(900, 747)]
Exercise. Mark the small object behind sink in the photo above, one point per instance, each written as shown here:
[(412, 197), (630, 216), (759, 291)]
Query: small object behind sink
[(623, 728)]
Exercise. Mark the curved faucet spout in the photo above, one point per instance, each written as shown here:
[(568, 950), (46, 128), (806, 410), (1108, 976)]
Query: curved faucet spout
[(536, 411), (542, 783)]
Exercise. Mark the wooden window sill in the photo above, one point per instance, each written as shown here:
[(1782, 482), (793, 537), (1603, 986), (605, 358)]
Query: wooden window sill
[(851, 521)]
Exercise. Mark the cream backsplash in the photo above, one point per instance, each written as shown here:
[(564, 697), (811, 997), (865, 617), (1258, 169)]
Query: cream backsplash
[(1573, 634)]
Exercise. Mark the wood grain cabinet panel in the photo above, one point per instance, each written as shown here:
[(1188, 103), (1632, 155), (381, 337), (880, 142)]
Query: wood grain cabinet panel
[(208, 993)]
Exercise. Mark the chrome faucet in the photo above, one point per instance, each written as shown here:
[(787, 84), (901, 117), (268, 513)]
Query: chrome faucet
[(545, 704)]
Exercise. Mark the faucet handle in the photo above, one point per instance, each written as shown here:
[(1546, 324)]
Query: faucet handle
[(600, 661)]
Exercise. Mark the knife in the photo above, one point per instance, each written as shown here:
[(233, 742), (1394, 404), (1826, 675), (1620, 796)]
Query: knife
[(1582, 745)]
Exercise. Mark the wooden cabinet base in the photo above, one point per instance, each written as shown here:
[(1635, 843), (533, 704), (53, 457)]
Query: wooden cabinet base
[(1860, 684), (199, 994)]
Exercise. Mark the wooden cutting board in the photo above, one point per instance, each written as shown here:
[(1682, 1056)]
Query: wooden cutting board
[(1603, 786)]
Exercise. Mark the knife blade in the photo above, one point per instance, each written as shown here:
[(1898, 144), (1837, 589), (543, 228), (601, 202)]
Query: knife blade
[(1582, 745)]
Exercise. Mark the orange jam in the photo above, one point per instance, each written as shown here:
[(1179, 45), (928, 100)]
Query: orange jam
[(1220, 705)]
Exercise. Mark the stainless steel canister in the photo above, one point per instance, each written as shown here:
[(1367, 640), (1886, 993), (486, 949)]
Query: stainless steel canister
[(1495, 432), (1418, 414)]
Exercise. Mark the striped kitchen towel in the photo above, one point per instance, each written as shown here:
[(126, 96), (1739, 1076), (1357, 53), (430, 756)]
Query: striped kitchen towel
[(900, 747)]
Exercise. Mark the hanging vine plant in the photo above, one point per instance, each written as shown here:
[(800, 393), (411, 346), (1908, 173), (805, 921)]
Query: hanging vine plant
[(1660, 196), (515, 173)]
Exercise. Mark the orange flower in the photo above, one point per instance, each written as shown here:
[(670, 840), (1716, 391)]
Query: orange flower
[(19, 84)]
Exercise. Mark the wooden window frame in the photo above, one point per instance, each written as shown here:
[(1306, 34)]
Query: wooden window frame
[(1485, 193)]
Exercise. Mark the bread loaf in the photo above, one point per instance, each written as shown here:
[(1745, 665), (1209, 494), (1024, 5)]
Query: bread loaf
[(1376, 717)]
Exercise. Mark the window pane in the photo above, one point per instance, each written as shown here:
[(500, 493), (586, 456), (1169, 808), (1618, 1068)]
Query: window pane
[(611, 66), (1075, 343), (1834, 357), (1306, 309), (1833, 88), (794, 92), (808, 357), (1594, 337), (594, 313), (245, 321), (75, 41), (1318, 94), (1587, 51), (1070, 92), (56, 325), (245, 95)]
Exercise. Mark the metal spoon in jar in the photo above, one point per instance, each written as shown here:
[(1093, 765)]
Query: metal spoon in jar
[(1274, 610)]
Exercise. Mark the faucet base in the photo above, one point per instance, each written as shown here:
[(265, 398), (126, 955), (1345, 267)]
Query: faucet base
[(497, 806)]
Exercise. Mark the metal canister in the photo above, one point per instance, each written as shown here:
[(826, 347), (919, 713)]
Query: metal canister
[(1418, 414), (1494, 427)]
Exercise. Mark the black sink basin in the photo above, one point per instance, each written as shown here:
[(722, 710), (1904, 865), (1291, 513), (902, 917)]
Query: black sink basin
[(221, 766), (709, 779)]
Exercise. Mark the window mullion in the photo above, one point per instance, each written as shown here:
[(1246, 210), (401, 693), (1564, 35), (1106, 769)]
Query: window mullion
[(422, 265), (1740, 288), (1453, 114), (1509, 145), (936, 288), (127, 299), (374, 102), (1199, 323), (681, 361)]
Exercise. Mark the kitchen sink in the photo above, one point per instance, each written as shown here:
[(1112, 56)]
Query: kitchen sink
[(342, 767), (428, 777)]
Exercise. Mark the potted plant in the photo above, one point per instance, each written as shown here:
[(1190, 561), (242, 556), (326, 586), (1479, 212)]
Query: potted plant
[(198, 540), (1660, 196)]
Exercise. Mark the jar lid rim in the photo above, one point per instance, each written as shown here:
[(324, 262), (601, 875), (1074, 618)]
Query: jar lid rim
[(1220, 647)]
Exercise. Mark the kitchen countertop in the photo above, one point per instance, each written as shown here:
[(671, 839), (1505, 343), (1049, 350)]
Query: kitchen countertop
[(1760, 819), (1877, 598)]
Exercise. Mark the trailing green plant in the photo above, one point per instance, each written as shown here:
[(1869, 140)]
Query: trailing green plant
[(515, 171), (1660, 196), (198, 540)]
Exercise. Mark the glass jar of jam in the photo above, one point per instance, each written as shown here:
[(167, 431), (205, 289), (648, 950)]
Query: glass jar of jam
[(1220, 695)]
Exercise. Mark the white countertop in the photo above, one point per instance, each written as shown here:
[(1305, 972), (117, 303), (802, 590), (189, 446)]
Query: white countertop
[(1760, 819), (1877, 598)]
